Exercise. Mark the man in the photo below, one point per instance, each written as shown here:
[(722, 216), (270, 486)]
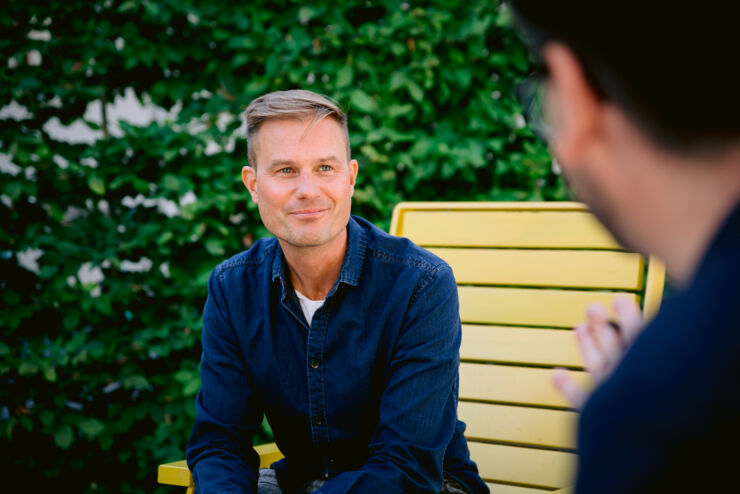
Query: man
[(643, 106), (346, 338)]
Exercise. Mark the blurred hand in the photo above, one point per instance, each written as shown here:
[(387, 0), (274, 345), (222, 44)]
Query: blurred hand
[(602, 345)]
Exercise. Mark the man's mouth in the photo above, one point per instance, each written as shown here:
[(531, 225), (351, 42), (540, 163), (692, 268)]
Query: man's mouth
[(308, 213)]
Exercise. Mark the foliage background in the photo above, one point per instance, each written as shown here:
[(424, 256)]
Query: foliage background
[(106, 246)]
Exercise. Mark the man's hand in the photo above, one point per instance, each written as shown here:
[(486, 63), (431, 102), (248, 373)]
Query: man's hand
[(602, 344)]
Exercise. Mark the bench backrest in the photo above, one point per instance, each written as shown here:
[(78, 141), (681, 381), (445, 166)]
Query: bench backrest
[(526, 273)]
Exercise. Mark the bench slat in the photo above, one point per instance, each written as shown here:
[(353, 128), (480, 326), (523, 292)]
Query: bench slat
[(509, 384), (529, 306), (532, 467), (556, 347), (513, 489), (527, 426), (528, 229), (551, 268)]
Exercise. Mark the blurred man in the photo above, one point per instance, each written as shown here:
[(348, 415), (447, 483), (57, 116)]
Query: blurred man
[(346, 338), (643, 108)]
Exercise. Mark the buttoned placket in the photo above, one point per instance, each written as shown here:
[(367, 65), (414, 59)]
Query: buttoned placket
[(316, 376), (316, 336)]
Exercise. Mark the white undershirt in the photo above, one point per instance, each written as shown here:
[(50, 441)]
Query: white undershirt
[(308, 306)]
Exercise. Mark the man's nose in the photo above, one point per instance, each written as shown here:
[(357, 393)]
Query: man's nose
[(307, 186)]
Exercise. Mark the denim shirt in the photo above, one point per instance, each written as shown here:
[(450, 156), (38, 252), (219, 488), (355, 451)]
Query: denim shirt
[(365, 396)]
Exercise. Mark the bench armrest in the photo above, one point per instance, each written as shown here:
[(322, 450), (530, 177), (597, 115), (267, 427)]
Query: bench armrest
[(178, 473)]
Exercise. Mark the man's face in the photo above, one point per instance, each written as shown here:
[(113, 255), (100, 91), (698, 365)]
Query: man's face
[(303, 181), (591, 141)]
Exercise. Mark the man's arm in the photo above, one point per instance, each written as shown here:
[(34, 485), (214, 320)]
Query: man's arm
[(220, 452), (418, 407)]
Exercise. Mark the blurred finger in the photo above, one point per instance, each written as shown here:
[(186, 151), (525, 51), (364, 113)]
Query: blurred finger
[(593, 357), (569, 388), (597, 314), (610, 343), (630, 318)]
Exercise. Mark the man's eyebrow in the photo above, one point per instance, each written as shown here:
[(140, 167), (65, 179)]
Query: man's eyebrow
[(277, 163), (288, 162), (329, 158)]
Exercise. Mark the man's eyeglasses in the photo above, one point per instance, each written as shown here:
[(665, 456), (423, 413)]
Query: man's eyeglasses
[(531, 94)]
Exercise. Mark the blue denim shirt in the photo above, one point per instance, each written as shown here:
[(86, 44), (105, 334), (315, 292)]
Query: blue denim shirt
[(365, 396)]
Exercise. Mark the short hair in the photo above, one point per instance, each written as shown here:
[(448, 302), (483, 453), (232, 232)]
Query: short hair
[(668, 66), (295, 104)]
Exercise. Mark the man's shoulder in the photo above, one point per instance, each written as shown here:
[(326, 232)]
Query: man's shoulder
[(398, 251), (258, 256)]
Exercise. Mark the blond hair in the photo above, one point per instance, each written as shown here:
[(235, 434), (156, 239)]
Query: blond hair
[(295, 104)]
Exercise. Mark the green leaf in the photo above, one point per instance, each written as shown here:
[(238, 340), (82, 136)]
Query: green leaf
[(360, 100), (47, 272), (344, 76), (395, 111), (46, 417), (165, 237), (71, 319), (191, 387), (91, 427), (63, 437), (105, 441), (136, 382), (50, 373), (183, 376), (416, 93), (171, 182), (4, 349), (214, 246), (398, 79), (96, 184), (239, 60), (305, 14), (28, 367)]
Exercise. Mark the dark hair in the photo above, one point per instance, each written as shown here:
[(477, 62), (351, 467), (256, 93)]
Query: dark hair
[(670, 66)]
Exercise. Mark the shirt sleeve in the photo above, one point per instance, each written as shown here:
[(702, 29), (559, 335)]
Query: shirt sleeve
[(220, 452), (418, 406)]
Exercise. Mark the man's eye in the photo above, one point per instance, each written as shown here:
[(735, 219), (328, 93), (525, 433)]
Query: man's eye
[(285, 170), (326, 168)]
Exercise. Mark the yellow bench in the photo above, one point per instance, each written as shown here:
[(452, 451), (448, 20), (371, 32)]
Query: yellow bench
[(526, 273)]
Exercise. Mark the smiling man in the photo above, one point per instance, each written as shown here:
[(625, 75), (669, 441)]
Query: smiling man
[(345, 338)]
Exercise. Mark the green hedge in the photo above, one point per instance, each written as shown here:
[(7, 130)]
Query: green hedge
[(105, 247)]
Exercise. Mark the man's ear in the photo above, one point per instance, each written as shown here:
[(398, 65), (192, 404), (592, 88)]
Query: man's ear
[(249, 177), (353, 169), (574, 112)]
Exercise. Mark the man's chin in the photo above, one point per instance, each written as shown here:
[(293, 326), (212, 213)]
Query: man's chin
[(306, 243), (307, 238), (586, 190)]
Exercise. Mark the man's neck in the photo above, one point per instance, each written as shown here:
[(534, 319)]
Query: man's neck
[(314, 270)]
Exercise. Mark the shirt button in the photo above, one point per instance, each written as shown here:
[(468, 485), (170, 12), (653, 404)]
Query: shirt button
[(318, 420), (331, 460), (315, 364)]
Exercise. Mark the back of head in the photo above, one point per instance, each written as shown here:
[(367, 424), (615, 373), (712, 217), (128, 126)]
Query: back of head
[(670, 66), (294, 104)]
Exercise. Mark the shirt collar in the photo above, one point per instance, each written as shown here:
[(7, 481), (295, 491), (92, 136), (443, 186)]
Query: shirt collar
[(351, 268)]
